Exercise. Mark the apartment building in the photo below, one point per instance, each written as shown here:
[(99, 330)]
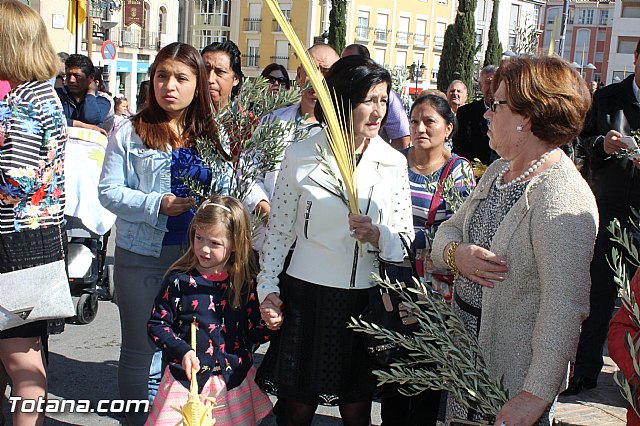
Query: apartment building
[(138, 29), (588, 35), (624, 39)]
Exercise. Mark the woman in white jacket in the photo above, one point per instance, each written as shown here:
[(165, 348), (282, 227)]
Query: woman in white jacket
[(327, 280)]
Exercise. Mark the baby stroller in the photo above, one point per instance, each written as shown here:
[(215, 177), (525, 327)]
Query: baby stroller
[(88, 224)]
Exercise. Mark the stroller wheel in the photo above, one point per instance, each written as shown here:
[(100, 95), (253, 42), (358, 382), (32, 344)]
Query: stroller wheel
[(86, 308)]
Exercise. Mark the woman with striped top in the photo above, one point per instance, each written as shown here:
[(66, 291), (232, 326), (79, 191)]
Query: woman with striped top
[(432, 123), (32, 140)]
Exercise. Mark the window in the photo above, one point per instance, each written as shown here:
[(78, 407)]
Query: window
[(381, 29), (511, 45), (599, 57), (253, 22), (627, 44), (203, 38), (536, 15), (401, 59), (514, 18), (379, 56), (282, 53), (438, 42), (253, 53), (582, 44), (585, 16), (604, 17), (162, 21), (435, 68), (421, 31), (403, 30), (630, 9), (480, 10), (362, 29), (552, 14), (479, 38), (602, 35), (213, 12)]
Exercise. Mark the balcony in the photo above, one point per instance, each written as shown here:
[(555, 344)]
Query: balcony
[(251, 61), (136, 39), (275, 27), (211, 19), (363, 33), (420, 41), (438, 43), (382, 35), (281, 60), (252, 24), (404, 38)]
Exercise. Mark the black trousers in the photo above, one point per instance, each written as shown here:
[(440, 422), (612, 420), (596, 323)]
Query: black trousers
[(604, 293), (418, 410)]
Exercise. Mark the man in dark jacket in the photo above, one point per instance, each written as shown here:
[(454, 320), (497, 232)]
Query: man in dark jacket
[(79, 96), (615, 182), (471, 140)]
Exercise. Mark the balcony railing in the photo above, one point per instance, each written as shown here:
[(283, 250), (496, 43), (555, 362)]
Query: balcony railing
[(382, 35), (404, 38), (282, 60), (251, 60), (137, 39), (363, 33), (420, 40), (212, 19), (438, 43), (252, 24), (276, 27)]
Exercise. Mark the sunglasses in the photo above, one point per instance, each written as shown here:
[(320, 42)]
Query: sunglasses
[(494, 105), (282, 81)]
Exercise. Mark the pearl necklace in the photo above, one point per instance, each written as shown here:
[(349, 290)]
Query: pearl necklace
[(525, 174)]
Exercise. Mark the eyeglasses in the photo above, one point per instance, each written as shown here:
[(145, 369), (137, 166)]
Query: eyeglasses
[(282, 81), (494, 104)]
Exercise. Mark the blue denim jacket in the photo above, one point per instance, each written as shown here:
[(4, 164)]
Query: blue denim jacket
[(133, 181)]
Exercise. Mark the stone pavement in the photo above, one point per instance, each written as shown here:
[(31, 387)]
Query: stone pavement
[(601, 406)]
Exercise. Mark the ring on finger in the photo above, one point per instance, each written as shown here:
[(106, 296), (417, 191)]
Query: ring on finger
[(476, 272), (352, 231)]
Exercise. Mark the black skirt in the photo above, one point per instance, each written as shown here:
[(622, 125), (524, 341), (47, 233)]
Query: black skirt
[(27, 249), (315, 358)]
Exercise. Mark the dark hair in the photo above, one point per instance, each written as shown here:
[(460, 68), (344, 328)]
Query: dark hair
[(277, 67), (235, 58), (80, 61), (118, 101), (351, 78), (63, 56), (547, 91), (152, 123), (361, 49), (441, 106)]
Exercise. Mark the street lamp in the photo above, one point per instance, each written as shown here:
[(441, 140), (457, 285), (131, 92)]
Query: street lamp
[(415, 73), (582, 66)]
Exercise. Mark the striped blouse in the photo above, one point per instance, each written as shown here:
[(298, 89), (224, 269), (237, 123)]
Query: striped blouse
[(32, 141), (422, 189)]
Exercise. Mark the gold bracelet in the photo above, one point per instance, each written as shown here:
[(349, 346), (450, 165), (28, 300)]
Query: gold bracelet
[(451, 258)]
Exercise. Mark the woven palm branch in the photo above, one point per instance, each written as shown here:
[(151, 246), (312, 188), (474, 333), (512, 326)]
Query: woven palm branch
[(340, 130)]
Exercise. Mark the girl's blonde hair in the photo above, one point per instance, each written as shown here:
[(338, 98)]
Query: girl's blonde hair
[(231, 214), (26, 53)]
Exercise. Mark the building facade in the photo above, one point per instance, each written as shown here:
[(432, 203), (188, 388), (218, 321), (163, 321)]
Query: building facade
[(137, 28), (624, 39), (587, 40)]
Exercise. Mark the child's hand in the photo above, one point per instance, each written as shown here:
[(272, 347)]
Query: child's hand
[(189, 361), (271, 311)]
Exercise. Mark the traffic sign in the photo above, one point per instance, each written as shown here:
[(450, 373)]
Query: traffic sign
[(108, 50)]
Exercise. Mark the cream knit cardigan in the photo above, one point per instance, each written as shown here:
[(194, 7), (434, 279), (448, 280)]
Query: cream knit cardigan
[(531, 321)]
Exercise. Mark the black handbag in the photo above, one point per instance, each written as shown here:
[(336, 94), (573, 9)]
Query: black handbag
[(386, 309)]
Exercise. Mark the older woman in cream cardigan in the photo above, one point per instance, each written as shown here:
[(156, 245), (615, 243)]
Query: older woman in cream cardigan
[(521, 245)]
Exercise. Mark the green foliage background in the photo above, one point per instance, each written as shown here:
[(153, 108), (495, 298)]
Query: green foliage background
[(338, 26)]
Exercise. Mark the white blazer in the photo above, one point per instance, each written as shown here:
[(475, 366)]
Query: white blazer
[(306, 208)]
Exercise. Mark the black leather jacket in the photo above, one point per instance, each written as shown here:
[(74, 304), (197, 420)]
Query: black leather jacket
[(615, 182)]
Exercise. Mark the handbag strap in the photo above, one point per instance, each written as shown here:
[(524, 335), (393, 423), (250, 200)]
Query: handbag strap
[(410, 253), (435, 200)]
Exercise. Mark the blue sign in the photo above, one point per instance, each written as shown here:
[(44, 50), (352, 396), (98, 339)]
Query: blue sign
[(143, 67), (124, 66)]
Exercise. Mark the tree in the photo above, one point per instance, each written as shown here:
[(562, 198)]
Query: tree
[(338, 26), (526, 37), (493, 55), (459, 47)]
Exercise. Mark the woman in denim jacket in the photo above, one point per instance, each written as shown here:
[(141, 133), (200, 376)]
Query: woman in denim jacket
[(142, 182)]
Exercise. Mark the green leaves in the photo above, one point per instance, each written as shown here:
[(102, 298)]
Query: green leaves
[(442, 355)]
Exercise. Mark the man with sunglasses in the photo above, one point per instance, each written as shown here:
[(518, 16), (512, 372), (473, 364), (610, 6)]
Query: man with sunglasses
[(471, 140)]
